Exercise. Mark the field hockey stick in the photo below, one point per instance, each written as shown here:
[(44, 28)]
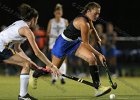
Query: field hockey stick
[(79, 80), (69, 77), (113, 85)]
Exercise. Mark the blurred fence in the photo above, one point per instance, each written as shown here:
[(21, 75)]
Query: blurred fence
[(129, 55)]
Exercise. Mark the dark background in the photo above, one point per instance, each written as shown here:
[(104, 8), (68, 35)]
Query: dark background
[(123, 13)]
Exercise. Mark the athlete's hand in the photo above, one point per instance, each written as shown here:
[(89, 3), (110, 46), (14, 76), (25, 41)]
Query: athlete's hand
[(101, 59), (53, 69)]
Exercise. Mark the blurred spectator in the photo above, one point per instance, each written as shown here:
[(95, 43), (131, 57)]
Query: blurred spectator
[(56, 26), (100, 30), (111, 47)]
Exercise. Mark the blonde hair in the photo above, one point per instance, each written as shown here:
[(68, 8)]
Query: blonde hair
[(58, 7)]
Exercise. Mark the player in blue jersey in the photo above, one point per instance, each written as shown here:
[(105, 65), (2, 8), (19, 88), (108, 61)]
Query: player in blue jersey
[(75, 40)]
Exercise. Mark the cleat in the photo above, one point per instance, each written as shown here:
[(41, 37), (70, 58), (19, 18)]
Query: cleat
[(26, 97)]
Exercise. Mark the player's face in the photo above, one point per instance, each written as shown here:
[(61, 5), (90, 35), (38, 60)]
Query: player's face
[(34, 22), (58, 13), (94, 14)]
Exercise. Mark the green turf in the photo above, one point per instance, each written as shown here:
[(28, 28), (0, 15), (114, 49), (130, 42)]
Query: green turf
[(9, 87)]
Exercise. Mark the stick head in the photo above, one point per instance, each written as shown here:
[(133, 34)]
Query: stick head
[(114, 85)]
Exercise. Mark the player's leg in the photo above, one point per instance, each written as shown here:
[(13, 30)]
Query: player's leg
[(53, 77), (57, 62), (88, 56), (62, 69), (32, 80), (17, 59)]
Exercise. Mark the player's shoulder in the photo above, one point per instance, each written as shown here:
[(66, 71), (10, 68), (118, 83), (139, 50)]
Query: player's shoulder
[(24, 29), (81, 20)]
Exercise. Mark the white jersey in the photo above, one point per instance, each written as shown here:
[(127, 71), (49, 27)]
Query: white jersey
[(56, 29), (11, 34)]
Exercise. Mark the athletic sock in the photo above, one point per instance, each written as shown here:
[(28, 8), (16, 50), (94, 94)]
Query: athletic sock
[(24, 80), (94, 71)]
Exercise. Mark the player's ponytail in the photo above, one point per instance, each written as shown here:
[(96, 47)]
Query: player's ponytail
[(27, 12), (90, 6)]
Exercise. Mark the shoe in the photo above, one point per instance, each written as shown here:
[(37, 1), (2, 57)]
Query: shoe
[(33, 80), (26, 97), (63, 81), (102, 90), (53, 81)]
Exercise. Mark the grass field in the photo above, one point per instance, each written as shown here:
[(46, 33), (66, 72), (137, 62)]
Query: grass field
[(128, 89)]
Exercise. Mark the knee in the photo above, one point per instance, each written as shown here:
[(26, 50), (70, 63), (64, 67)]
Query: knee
[(92, 60), (26, 65)]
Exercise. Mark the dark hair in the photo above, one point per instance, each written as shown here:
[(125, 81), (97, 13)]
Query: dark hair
[(90, 6), (27, 13), (58, 7)]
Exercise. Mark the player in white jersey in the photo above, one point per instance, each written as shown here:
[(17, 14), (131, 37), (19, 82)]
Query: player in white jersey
[(10, 51), (56, 26)]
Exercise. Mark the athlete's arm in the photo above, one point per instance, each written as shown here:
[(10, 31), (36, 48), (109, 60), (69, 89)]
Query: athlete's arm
[(94, 33), (84, 27), (17, 47), (26, 32)]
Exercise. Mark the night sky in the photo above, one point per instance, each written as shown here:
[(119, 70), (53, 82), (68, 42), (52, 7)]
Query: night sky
[(123, 13)]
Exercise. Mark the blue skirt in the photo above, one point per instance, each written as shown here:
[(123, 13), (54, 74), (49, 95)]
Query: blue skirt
[(64, 48)]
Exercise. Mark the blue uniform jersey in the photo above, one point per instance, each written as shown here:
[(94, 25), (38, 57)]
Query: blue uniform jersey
[(68, 42)]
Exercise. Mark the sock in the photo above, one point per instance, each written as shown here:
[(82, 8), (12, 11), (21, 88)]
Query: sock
[(24, 80), (94, 71)]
